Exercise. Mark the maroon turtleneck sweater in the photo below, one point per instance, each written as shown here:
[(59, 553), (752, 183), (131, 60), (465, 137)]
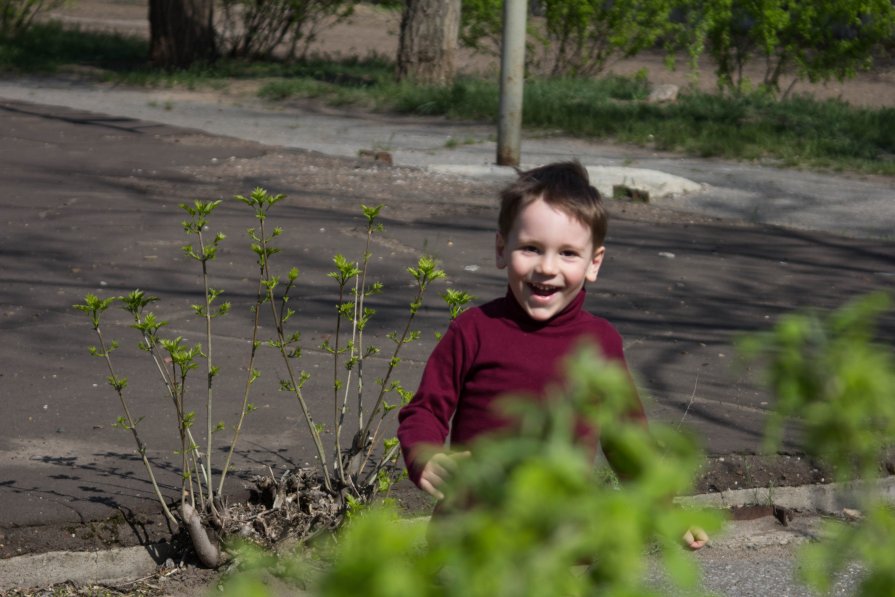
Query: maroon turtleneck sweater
[(488, 352)]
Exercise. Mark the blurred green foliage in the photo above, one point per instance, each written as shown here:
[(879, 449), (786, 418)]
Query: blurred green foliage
[(574, 37), (528, 513), (832, 375)]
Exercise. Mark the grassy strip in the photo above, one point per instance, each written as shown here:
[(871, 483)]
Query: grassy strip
[(798, 132), (46, 48)]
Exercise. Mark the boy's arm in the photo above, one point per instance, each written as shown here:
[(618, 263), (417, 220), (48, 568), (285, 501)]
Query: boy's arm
[(695, 538), (604, 335), (636, 414), (424, 423)]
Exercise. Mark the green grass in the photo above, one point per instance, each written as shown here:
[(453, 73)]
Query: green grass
[(798, 132), (46, 48)]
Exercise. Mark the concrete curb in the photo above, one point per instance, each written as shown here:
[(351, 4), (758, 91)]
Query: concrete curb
[(766, 531), (82, 567), (828, 498), (124, 564), (658, 184)]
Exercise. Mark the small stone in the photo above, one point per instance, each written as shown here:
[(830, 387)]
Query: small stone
[(663, 94)]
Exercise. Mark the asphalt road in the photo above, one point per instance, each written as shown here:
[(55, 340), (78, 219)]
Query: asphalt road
[(841, 204)]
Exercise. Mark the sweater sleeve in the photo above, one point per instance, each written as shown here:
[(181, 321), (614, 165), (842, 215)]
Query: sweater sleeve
[(614, 352), (424, 423), (607, 338), (621, 462)]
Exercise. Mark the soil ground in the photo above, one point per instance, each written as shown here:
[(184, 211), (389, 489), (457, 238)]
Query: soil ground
[(370, 30)]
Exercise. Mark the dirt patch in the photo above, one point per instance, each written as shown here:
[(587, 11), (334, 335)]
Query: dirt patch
[(748, 471)]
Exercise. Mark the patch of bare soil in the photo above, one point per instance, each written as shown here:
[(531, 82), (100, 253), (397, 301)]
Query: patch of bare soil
[(748, 471)]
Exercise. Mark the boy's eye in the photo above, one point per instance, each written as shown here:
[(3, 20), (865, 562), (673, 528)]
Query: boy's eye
[(569, 253), (529, 248)]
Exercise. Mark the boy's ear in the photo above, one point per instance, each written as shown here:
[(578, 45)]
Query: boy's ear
[(593, 268), (500, 251)]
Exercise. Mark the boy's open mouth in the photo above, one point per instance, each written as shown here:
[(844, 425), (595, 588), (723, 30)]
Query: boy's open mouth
[(539, 290)]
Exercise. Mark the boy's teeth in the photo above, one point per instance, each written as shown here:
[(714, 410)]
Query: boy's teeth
[(543, 290)]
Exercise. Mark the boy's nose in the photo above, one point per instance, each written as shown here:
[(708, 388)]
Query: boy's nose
[(547, 265)]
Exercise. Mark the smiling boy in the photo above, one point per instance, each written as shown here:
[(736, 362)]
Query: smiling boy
[(551, 229), (550, 247)]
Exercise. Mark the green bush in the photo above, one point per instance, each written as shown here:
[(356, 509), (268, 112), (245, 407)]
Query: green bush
[(17, 16), (830, 373), (574, 37), (543, 520), (257, 28), (834, 377), (816, 41), (361, 460), (582, 35)]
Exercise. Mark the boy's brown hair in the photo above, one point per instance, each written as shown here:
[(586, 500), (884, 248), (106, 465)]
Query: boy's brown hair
[(562, 185)]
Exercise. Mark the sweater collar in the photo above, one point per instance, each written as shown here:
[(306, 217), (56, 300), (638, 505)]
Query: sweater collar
[(518, 314)]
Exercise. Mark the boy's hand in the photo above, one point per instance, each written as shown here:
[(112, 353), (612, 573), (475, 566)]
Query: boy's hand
[(695, 538), (438, 470)]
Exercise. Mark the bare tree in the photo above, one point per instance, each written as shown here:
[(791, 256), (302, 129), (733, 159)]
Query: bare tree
[(181, 32), (429, 39)]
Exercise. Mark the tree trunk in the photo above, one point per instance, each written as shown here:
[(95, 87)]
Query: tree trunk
[(429, 38), (181, 32)]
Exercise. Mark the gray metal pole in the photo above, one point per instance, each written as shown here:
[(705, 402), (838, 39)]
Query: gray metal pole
[(512, 74)]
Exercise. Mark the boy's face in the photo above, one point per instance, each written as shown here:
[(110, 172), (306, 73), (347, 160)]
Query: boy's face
[(548, 256)]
